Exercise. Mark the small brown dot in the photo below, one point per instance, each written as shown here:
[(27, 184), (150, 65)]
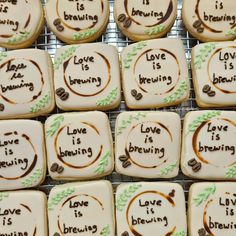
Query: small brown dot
[(54, 167), (126, 164), (202, 232), (60, 28), (125, 234), (60, 91), (139, 96), (192, 162), (56, 234), (196, 168), (121, 18), (123, 158), (60, 169), (64, 96), (206, 88), (211, 94), (197, 24), (127, 23), (2, 107), (200, 30)]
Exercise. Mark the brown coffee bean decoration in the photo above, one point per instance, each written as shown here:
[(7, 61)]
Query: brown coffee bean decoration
[(196, 168), (197, 24), (200, 30), (2, 107), (211, 94), (56, 234), (127, 23), (134, 92), (192, 162), (60, 28), (206, 88), (139, 96), (60, 169), (202, 232), (123, 158), (57, 21), (54, 167), (126, 164), (172, 193), (125, 234), (121, 18), (64, 96), (60, 91)]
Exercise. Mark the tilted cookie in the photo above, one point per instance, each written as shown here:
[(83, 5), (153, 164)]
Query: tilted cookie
[(210, 20), (214, 74), (150, 209), (209, 148), (87, 77), (23, 213), (26, 84), (84, 208), (155, 74), (76, 21), (148, 144), (22, 154), (79, 145), (145, 19), (212, 209), (21, 23)]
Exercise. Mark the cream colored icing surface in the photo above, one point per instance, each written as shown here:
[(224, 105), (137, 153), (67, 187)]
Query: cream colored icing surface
[(209, 142), (212, 20), (214, 65), (81, 144), (156, 70), (80, 19), (148, 144), (143, 208), (26, 83), (23, 213), (81, 209), (19, 19), (212, 208), (22, 159), (89, 74), (148, 17)]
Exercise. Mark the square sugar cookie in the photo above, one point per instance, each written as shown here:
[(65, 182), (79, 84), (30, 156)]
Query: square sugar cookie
[(155, 74), (214, 74), (150, 209), (22, 154), (85, 208), (26, 83), (212, 209), (79, 145), (23, 213), (87, 77), (148, 144), (209, 146)]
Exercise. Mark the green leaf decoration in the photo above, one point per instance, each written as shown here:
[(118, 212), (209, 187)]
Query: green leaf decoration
[(125, 123), (40, 104), (155, 30), (18, 37), (109, 99), (231, 172), (105, 231), (103, 163), (63, 56), (84, 35), (168, 169), (3, 195), (55, 200), (33, 179), (204, 195), (231, 32), (200, 119), (179, 92), (203, 54), (134, 51), (2, 55), (55, 125), (123, 198), (179, 233)]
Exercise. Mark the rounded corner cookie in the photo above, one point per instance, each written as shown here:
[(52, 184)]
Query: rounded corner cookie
[(77, 21)]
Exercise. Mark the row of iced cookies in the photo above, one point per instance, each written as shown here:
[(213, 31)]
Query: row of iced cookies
[(79, 146), (141, 208), (87, 77), (74, 21)]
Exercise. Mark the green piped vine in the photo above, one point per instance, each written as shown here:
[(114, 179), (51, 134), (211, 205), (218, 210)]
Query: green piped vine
[(63, 56), (55, 125), (42, 103), (204, 52), (231, 32), (155, 30), (55, 200), (168, 169), (33, 179), (200, 119), (124, 197), (179, 233), (134, 51), (231, 172), (105, 231), (18, 37), (3, 195), (204, 195), (2, 55), (179, 92), (125, 123), (109, 99), (103, 163), (85, 34)]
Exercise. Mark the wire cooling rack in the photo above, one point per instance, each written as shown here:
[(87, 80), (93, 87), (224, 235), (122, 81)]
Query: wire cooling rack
[(47, 41)]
